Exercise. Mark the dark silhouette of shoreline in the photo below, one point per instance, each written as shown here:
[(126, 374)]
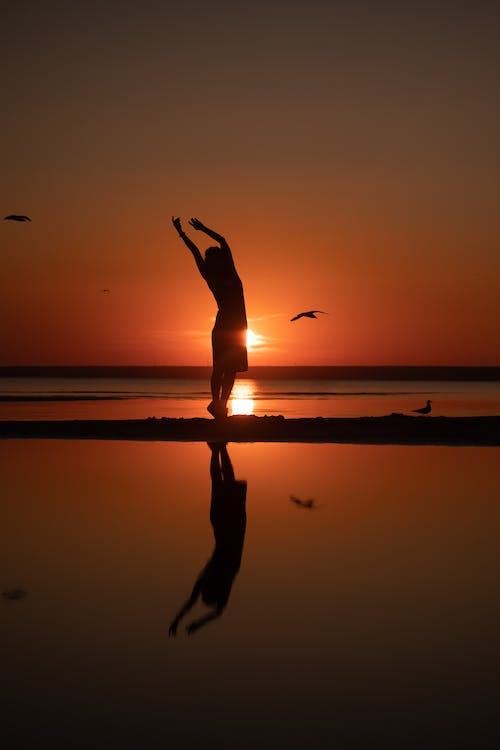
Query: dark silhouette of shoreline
[(394, 429), (320, 372)]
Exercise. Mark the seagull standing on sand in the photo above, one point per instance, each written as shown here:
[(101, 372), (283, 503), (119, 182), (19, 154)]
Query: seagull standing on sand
[(308, 314), (425, 409), (16, 217)]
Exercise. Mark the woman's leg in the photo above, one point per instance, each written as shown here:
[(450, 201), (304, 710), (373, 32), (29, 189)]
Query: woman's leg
[(214, 406), (228, 379), (216, 381), (226, 466)]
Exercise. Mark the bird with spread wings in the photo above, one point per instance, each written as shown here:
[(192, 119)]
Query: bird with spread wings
[(311, 503), (307, 314)]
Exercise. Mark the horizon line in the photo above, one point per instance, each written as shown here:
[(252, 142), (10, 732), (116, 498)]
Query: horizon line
[(389, 372), (251, 367)]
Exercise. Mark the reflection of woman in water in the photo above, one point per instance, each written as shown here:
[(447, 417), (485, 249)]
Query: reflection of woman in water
[(228, 518), (229, 351)]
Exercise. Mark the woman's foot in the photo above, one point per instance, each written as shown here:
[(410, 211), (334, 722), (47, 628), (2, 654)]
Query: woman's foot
[(212, 408), (217, 409)]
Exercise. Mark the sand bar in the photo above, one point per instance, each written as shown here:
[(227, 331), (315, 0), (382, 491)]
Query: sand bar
[(395, 429)]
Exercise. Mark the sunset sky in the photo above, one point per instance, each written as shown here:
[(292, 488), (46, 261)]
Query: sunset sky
[(348, 151)]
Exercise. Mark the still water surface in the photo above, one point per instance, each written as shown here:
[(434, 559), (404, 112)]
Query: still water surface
[(371, 616), (139, 398)]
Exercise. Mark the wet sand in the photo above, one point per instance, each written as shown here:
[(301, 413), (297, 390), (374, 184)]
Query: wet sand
[(396, 429)]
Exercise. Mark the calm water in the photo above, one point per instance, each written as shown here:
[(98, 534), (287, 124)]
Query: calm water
[(372, 617), (108, 398)]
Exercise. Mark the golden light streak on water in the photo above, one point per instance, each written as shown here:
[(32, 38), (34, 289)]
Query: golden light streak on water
[(242, 400)]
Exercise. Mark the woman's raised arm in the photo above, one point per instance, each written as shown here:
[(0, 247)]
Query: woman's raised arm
[(200, 262), (200, 227)]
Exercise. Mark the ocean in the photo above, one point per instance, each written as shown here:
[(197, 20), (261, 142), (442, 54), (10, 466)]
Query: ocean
[(124, 397)]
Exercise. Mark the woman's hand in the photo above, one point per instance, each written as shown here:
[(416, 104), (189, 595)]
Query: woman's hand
[(193, 627), (197, 224), (177, 224)]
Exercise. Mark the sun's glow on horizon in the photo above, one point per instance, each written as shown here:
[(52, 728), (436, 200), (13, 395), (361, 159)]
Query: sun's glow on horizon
[(242, 398), (254, 340)]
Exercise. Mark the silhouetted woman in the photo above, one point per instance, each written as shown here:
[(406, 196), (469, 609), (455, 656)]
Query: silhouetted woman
[(229, 351), (228, 518)]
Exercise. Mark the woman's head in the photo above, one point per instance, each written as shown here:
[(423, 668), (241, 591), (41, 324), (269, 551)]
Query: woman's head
[(216, 260)]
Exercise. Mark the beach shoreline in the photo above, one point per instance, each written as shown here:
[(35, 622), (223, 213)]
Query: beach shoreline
[(397, 429)]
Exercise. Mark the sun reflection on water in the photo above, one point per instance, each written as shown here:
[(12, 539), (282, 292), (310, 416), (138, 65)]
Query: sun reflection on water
[(242, 399)]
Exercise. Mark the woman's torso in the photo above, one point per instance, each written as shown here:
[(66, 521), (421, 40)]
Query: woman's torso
[(228, 293)]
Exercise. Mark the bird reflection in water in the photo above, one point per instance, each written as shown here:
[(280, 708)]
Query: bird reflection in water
[(228, 519)]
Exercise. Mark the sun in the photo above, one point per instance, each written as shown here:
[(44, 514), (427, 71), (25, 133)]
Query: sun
[(254, 340)]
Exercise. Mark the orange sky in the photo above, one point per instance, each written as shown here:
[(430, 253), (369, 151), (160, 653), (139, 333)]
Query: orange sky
[(348, 154)]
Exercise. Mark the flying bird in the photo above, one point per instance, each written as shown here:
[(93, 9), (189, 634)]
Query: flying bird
[(425, 409), (303, 503), (308, 314), (105, 291), (17, 217)]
